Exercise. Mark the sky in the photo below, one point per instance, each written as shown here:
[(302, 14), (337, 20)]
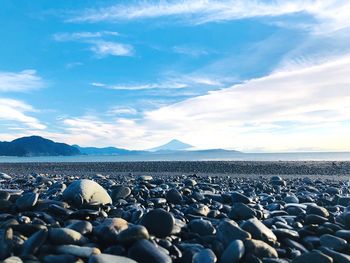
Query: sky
[(249, 75)]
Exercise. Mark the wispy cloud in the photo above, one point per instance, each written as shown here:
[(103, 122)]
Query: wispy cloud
[(108, 48), (20, 81), (122, 111), (190, 51), (73, 36), (331, 15), (98, 45), (16, 111), (169, 83)]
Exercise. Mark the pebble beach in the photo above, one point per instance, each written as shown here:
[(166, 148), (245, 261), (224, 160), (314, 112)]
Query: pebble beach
[(175, 212)]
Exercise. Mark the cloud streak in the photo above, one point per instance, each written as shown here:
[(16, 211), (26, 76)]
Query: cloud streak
[(20, 81), (330, 15)]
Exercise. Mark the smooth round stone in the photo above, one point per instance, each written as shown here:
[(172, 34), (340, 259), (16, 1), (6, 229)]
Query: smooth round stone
[(173, 196), (86, 191), (158, 222), (240, 211), (78, 251), (27, 201), (337, 256), (120, 192), (4, 176), (106, 258), (190, 182), (6, 240), (198, 209), (83, 227), (204, 256), (133, 234), (345, 234), (313, 256), (62, 258), (144, 251), (201, 227), (145, 178), (5, 205), (344, 201), (258, 230), (333, 242), (260, 248), (283, 233), (233, 253), (227, 231), (315, 219), (66, 236), (4, 195), (240, 198), (317, 210), (32, 244), (13, 259), (291, 199)]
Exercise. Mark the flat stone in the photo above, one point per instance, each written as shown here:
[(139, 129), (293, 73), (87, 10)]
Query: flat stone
[(313, 256), (260, 248), (201, 227), (32, 244), (86, 191), (258, 230), (227, 231), (333, 242), (240, 198), (145, 251), (173, 196), (106, 258), (133, 234), (81, 226), (317, 210), (78, 251), (62, 258), (27, 201), (120, 192), (158, 222), (66, 236)]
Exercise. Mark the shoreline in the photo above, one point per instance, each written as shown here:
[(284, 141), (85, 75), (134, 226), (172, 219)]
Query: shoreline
[(253, 168)]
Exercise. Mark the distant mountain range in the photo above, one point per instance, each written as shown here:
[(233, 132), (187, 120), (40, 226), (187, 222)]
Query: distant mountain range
[(38, 146)]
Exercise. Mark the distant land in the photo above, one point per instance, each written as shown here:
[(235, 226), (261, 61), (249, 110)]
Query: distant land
[(38, 146)]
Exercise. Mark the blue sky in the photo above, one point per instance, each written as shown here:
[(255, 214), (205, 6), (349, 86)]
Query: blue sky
[(263, 75)]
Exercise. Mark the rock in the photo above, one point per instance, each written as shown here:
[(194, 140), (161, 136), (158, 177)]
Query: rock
[(86, 191), (81, 226), (240, 198), (204, 256), (143, 251), (133, 234), (32, 244), (317, 210), (315, 219), (201, 227), (66, 236), (258, 230), (62, 258), (158, 222), (173, 196), (27, 201), (227, 231), (313, 256), (13, 259), (291, 199), (240, 211), (78, 251), (336, 256), (260, 248), (106, 258), (6, 243), (233, 253), (333, 242), (120, 192), (4, 176)]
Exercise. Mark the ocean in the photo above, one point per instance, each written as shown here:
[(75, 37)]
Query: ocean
[(304, 156)]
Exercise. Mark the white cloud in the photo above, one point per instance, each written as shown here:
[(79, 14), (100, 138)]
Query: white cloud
[(122, 111), (20, 81), (190, 51), (74, 36), (285, 111), (16, 111), (331, 14), (108, 48)]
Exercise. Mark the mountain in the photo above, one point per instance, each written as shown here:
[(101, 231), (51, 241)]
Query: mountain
[(173, 145), (36, 146), (106, 151)]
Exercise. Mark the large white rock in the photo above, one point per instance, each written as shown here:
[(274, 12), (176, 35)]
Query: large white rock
[(86, 191)]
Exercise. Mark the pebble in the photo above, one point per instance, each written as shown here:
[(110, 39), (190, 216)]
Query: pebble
[(258, 230), (106, 258), (313, 256), (144, 251), (27, 201), (201, 227), (86, 191), (66, 236), (233, 253), (120, 192), (333, 242), (158, 222)]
